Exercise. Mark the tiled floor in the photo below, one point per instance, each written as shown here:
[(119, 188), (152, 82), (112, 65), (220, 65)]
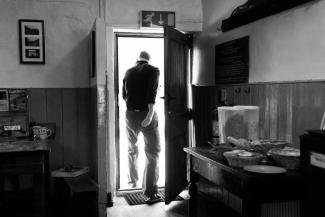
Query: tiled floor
[(174, 209)]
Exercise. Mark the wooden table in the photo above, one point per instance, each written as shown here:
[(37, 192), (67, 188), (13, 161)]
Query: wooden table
[(253, 189), (27, 157)]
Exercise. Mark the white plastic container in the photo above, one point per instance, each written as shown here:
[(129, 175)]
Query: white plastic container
[(238, 122), (252, 119), (231, 121)]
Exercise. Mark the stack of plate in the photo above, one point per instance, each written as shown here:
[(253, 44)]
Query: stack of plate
[(241, 158), (265, 169)]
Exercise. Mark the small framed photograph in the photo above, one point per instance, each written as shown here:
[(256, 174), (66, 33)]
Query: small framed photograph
[(31, 38)]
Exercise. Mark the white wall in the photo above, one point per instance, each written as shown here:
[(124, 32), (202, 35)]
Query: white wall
[(288, 46), (67, 24)]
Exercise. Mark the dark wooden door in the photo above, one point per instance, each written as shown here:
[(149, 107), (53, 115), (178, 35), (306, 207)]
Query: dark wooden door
[(177, 49)]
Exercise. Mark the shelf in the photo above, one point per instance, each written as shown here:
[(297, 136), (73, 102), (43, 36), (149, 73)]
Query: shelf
[(254, 10)]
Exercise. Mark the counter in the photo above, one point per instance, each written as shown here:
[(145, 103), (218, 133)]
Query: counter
[(253, 190)]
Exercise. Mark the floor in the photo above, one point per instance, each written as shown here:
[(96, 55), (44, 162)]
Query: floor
[(174, 209)]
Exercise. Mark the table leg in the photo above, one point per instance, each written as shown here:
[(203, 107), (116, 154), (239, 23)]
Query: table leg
[(2, 182), (192, 209), (251, 206), (39, 198), (41, 188), (47, 182)]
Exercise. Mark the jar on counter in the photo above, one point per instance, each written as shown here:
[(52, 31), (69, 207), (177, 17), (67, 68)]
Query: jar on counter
[(215, 126)]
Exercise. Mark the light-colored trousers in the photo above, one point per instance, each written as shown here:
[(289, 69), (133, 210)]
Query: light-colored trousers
[(151, 148)]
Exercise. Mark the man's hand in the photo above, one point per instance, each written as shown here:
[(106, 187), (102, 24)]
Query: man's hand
[(149, 116), (146, 121)]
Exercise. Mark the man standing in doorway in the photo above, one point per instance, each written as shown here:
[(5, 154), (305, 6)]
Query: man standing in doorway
[(139, 92)]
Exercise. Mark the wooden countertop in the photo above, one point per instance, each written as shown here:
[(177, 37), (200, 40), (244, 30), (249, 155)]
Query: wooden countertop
[(253, 189), (208, 155), (24, 146)]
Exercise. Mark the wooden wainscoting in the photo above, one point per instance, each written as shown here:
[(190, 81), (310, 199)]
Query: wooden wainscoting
[(69, 108), (286, 109)]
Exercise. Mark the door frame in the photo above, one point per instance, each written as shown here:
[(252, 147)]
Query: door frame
[(118, 34)]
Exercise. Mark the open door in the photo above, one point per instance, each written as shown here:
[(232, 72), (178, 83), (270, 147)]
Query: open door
[(177, 50)]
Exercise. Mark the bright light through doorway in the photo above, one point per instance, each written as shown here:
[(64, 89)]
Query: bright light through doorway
[(128, 51)]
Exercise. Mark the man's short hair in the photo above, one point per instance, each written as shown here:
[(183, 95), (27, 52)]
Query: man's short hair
[(144, 56)]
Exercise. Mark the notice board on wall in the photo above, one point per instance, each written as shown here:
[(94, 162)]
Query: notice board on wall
[(232, 61)]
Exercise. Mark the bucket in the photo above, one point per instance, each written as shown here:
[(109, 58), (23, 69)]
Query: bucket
[(238, 122)]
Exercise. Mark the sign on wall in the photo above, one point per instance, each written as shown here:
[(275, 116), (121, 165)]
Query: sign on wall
[(232, 61), (157, 19)]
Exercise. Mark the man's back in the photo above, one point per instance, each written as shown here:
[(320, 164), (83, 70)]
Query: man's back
[(140, 86)]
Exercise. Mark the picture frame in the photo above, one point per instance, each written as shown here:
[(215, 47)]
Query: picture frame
[(31, 40)]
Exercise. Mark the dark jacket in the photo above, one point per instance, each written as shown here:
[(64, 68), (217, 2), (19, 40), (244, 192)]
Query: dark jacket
[(140, 86)]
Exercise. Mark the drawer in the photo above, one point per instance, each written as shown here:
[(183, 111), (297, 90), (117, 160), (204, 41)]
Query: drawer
[(218, 176)]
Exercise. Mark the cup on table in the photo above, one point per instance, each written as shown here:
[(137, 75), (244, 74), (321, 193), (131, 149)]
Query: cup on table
[(41, 132)]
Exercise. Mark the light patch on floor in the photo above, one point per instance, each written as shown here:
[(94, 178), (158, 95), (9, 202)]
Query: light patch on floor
[(174, 209)]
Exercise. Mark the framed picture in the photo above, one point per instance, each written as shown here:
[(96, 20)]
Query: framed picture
[(31, 39)]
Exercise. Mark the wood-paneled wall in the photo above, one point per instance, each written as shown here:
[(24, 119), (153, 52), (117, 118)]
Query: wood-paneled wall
[(286, 109), (69, 108)]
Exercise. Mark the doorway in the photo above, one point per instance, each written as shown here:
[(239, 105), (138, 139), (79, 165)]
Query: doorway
[(128, 49)]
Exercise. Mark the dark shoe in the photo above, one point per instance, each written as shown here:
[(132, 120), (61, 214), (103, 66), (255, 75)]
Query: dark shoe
[(153, 199), (133, 185)]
